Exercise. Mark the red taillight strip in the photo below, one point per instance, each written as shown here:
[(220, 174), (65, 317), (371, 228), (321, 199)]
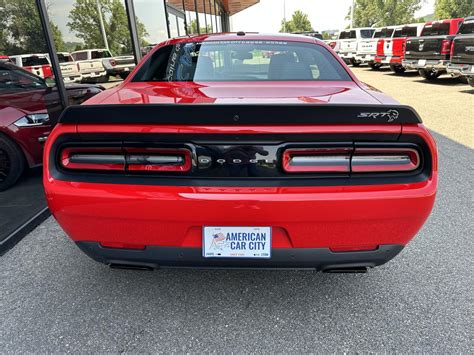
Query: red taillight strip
[(127, 159), (365, 160), (93, 159), (317, 160), (346, 160)]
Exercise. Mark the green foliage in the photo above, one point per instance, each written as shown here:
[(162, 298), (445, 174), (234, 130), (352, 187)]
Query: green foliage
[(21, 30), (326, 35), (299, 23), (445, 9), (377, 13), (85, 23), (192, 28)]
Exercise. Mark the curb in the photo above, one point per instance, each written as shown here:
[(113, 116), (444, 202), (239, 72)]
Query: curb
[(18, 234)]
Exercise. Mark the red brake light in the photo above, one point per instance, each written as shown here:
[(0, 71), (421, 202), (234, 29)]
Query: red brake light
[(451, 52), (446, 46), (127, 159), (113, 62), (317, 160), (332, 44)]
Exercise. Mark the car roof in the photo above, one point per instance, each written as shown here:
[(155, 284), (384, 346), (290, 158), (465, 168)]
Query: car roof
[(242, 36)]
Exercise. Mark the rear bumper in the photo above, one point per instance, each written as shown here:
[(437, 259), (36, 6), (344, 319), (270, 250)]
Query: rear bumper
[(415, 64), (347, 55), (365, 57), (388, 59), (293, 258), (72, 78), (94, 75), (461, 69)]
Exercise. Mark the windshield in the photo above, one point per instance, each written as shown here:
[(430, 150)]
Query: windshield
[(241, 61), (467, 27), (436, 29)]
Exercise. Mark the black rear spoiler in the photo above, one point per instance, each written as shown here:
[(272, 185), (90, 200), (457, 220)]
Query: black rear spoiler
[(234, 114)]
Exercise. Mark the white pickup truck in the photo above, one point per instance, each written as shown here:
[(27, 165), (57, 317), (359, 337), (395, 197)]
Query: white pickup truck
[(367, 48), (90, 64), (69, 68), (348, 42)]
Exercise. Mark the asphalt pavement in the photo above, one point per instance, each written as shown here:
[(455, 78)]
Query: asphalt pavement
[(53, 298)]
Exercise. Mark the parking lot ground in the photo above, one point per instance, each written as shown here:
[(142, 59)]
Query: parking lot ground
[(55, 299), (446, 105)]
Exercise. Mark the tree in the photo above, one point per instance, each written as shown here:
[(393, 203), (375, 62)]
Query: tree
[(377, 13), (192, 28), (445, 9), (299, 23), (85, 23), (21, 31)]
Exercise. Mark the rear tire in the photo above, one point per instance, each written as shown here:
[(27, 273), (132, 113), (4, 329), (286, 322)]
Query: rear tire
[(12, 163), (397, 69), (355, 63), (375, 66), (470, 80), (428, 74)]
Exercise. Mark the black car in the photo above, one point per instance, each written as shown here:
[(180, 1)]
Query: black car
[(462, 52)]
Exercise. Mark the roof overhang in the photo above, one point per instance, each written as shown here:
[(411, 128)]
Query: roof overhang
[(230, 6)]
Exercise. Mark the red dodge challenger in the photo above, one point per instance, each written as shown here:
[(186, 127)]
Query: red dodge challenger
[(213, 154)]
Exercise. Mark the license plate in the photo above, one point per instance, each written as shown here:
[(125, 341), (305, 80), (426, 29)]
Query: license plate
[(237, 242), (422, 62)]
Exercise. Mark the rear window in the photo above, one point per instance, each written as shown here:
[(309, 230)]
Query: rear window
[(100, 54), (436, 29), (366, 33), (407, 31), (34, 61), (80, 56), (241, 61), (467, 27), (65, 58), (344, 35), (383, 33)]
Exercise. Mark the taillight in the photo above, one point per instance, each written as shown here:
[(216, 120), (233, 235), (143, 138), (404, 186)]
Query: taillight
[(332, 45), (317, 160), (127, 159), (380, 49), (375, 160), (113, 62), (158, 159), (348, 160), (446, 46), (451, 52)]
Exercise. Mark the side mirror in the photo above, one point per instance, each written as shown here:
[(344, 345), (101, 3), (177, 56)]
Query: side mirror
[(50, 82)]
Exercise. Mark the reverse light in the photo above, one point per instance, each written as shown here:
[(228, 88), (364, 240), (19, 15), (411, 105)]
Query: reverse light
[(317, 160), (32, 120), (377, 160)]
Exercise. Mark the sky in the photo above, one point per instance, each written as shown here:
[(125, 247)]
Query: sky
[(266, 16)]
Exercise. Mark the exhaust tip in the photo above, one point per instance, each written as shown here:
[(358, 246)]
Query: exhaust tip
[(347, 270), (131, 267)]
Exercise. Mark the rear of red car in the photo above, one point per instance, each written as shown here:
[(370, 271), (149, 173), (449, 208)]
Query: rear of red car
[(284, 168)]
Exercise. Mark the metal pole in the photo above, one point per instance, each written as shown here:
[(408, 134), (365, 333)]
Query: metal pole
[(102, 27), (210, 9), (53, 56), (167, 19), (185, 19), (132, 25), (284, 16), (197, 17), (352, 13), (205, 14)]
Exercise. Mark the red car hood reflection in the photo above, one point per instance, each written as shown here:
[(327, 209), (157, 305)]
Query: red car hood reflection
[(238, 92)]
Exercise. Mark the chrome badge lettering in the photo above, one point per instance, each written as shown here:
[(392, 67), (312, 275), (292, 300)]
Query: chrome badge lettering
[(390, 115)]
